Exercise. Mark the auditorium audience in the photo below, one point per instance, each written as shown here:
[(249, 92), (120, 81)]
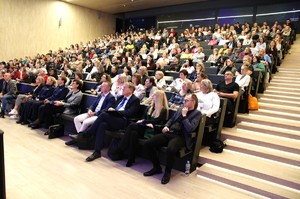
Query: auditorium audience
[(101, 60)]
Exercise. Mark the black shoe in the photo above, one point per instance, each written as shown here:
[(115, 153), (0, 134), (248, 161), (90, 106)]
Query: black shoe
[(153, 172), (94, 156), (35, 126), (2, 115), (19, 122), (24, 123), (166, 178), (70, 142), (47, 133)]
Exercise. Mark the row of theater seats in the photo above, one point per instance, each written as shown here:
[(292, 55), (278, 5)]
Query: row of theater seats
[(203, 135)]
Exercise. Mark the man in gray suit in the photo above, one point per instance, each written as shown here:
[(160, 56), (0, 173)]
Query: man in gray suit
[(9, 90)]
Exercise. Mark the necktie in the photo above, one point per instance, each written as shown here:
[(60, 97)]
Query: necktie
[(121, 104)]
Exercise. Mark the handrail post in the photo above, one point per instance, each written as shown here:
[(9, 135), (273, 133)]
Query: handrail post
[(2, 181)]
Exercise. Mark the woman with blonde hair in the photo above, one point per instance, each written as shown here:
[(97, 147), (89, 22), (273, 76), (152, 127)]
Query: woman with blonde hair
[(155, 115), (39, 83), (117, 87), (208, 101), (159, 80)]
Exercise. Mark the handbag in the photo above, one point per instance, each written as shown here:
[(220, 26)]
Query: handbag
[(56, 131), (114, 152), (217, 146), (252, 103)]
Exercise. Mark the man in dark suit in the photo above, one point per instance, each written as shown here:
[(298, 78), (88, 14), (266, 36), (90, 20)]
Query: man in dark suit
[(176, 134), (232, 44), (104, 101), (9, 91), (115, 118)]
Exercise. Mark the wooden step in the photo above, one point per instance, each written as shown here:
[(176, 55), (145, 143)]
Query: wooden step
[(245, 182), (254, 163), (284, 107), (270, 128), (282, 93), (273, 120), (260, 138), (283, 88), (263, 106), (286, 157), (282, 84), (279, 96), (286, 81), (291, 102), (277, 114)]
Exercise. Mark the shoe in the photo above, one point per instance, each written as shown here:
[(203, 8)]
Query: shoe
[(70, 142), (130, 163), (47, 133), (35, 126), (2, 115), (13, 112), (19, 122), (13, 117), (94, 156), (153, 171), (24, 123), (166, 178)]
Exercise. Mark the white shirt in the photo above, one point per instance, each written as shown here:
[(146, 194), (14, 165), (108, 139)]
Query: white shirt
[(177, 84), (208, 103), (242, 82), (100, 103)]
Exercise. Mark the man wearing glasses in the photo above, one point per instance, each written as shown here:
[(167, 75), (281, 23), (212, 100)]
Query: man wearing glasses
[(176, 134), (230, 90)]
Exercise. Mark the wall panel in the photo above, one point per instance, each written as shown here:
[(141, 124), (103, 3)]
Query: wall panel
[(28, 27)]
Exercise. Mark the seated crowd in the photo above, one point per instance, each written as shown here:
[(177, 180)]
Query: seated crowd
[(140, 68)]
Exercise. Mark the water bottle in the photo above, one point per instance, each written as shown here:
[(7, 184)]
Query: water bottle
[(187, 168)]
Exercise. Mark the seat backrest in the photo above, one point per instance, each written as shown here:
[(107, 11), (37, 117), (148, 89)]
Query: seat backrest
[(221, 116), (256, 76), (86, 102), (172, 73), (88, 85), (211, 70), (25, 88), (215, 79)]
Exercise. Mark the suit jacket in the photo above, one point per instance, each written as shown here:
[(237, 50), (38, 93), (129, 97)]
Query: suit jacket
[(131, 107), (108, 102), (11, 88), (59, 93), (189, 124), (1, 84), (45, 92), (72, 102)]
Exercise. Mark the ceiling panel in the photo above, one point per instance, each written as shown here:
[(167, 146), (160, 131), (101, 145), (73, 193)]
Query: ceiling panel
[(121, 6)]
